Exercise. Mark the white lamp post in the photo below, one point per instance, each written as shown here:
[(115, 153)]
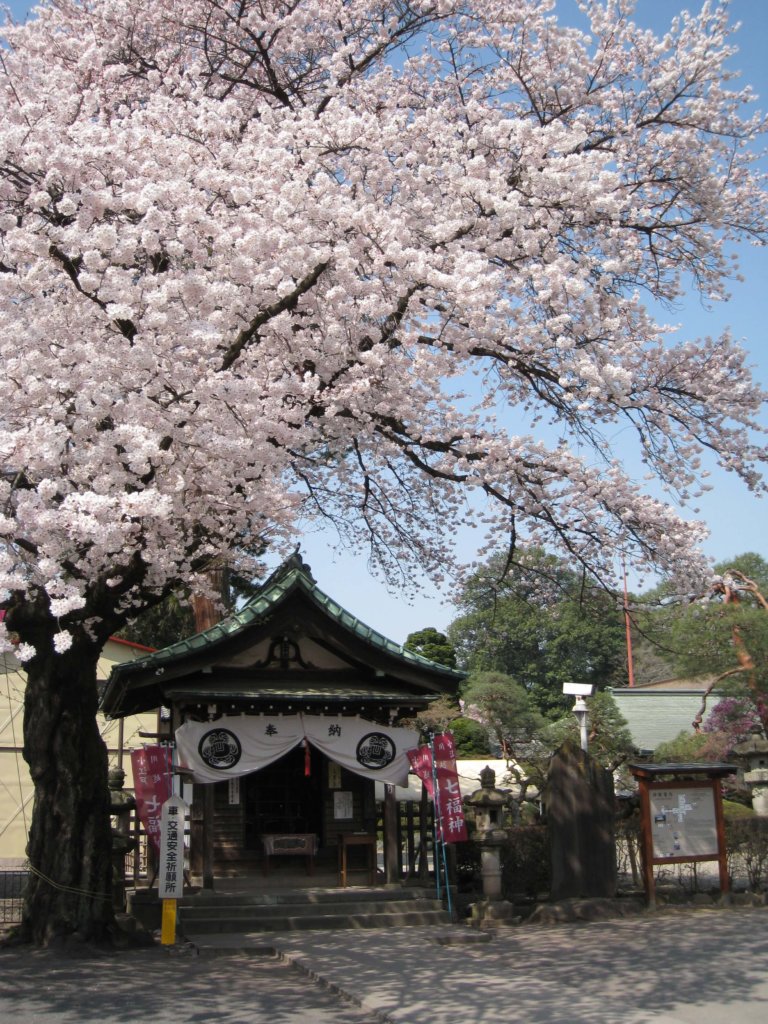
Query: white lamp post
[(580, 691)]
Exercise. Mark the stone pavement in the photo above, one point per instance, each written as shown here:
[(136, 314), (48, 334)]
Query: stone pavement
[(154, 987), (689, 966)]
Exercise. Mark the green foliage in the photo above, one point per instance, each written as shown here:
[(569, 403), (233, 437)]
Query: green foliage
[(686, 746), (695, 633), (470, 738), (504, 707), (164, 624), (732, 809), (751, 565), (437, 717), (703, 638), (526, 864), (747, 845), (432, 644), (173, 619), (540, 623), (610, 741)]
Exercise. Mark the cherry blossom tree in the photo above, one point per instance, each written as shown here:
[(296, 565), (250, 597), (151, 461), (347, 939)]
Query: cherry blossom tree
[(268, 260)]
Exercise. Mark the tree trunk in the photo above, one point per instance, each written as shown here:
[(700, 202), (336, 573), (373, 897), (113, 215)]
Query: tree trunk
[(70, 844)]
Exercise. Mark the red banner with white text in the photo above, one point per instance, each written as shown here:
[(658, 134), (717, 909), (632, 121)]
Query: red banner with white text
[(449, 807), (152, 786)]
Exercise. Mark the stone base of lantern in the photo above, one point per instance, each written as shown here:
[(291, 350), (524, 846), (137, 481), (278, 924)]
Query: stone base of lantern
[(757, 780), (492, 914)]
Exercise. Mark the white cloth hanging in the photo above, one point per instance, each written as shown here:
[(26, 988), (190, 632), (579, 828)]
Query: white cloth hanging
[(235, 746)]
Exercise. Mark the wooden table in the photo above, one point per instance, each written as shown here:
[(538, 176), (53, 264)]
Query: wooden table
[(302, 844), (357, 839)]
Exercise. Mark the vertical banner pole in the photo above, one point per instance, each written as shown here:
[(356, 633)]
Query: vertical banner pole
[(435, 817), (441, 826)]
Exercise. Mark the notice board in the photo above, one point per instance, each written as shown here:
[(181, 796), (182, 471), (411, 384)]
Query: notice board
[(683, 821), (681, 816)]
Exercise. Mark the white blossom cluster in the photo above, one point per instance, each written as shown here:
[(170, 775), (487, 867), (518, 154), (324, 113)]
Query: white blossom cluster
[(250, 251)]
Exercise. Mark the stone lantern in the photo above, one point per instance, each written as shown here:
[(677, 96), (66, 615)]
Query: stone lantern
[(488, 804), (753, 753), (120, 806)]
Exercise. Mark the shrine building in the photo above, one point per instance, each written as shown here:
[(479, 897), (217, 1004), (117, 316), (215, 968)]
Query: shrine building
[(284, 716)]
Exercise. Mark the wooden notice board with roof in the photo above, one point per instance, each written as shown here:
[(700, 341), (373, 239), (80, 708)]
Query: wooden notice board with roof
[(681, 810)]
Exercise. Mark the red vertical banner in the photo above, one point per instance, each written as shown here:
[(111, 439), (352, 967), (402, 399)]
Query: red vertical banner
[(152, 786), (449, 794), (421, 764), (453, 827)]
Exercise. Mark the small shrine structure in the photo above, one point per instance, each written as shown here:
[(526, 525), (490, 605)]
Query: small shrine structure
[(284, 715)]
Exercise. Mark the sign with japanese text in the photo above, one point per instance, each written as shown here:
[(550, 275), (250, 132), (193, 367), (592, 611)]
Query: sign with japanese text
[(448, 804), (152, 785), (170, 874), (343, 805), (233, 790), (421, 765)]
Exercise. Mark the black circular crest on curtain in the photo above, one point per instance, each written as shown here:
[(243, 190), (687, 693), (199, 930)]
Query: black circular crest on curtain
[(375, 750), (220, 749)]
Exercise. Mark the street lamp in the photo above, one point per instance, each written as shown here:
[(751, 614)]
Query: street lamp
[(580, 691)]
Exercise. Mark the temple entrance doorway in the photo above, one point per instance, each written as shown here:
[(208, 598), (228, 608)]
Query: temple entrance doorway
[(282, 798)]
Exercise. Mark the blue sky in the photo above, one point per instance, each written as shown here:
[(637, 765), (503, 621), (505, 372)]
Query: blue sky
[(735, 518)]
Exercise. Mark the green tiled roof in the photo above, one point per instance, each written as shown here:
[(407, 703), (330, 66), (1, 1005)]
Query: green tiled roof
[(293, 573)]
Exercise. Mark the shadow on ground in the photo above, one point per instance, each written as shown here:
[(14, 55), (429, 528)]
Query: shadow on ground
[(153, 985), (703, 966)]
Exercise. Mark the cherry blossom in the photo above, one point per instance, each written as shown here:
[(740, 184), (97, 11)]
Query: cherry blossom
[(263, 262)]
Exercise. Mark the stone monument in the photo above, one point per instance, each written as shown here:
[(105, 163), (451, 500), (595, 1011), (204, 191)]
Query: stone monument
[(581, 813)]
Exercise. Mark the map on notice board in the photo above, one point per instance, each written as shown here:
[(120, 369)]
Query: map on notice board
[(683, 822)]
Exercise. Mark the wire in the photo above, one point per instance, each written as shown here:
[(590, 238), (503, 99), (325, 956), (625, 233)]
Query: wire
[(68, 888)]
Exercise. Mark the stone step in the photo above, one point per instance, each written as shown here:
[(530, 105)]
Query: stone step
[(194, 912), (325, 920), (354, 894), (209, 912)]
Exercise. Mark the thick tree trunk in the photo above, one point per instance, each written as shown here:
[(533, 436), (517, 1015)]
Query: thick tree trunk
[(70, 845)]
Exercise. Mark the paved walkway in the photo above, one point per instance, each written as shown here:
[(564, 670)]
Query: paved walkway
[(673, 967), (153, 987)]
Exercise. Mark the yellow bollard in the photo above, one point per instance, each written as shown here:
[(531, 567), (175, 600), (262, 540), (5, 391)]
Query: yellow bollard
[(168, 930)]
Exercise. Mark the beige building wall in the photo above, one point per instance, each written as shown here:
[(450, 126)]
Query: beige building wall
[(16, 792)]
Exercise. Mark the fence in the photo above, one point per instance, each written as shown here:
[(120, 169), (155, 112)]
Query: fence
[(525, 861), (11, 896)]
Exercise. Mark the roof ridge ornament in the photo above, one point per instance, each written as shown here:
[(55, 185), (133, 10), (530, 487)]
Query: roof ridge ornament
[(294, 562)]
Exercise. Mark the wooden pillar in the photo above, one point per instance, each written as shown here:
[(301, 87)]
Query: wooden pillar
[(391, 846), (646, 840), (208, 836)]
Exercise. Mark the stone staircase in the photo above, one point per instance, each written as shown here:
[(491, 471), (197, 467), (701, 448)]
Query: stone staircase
[(209, 913)]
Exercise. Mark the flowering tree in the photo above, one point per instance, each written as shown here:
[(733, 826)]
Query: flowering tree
[(733, 718), (252, 251)]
